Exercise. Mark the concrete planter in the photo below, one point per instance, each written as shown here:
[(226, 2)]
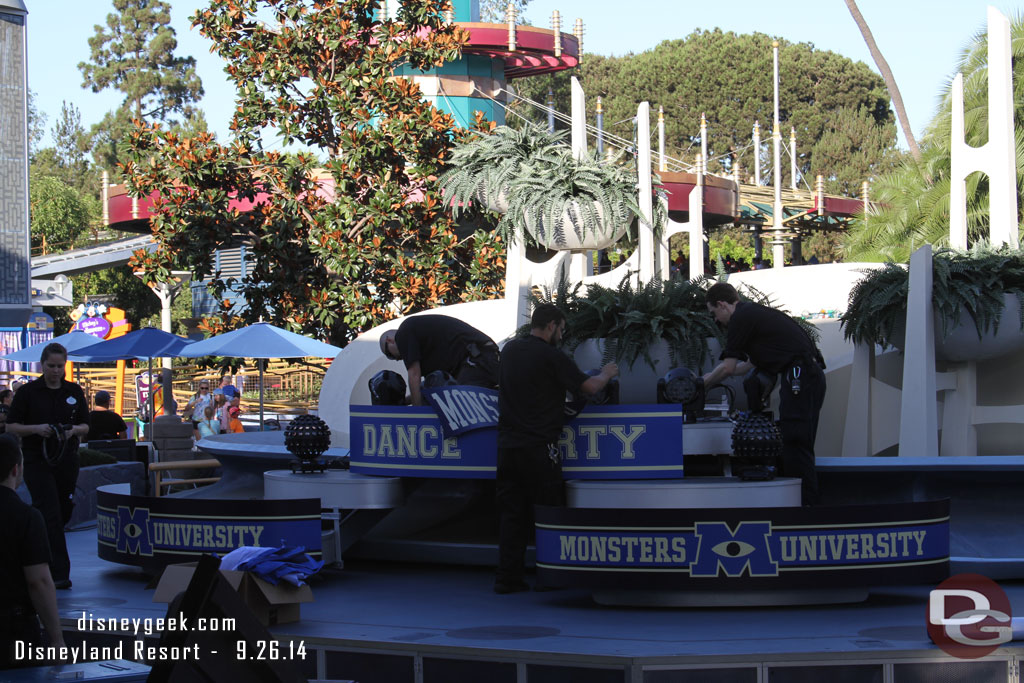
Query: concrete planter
[(90, 478), (962, 344), (639, 383)]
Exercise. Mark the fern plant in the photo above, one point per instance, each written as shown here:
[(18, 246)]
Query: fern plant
[(482, 168), (633, 319), (598, 197), (974, 281), (534, 173)]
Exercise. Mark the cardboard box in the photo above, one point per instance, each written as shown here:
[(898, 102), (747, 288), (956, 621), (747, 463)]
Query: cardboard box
[(280, 604)]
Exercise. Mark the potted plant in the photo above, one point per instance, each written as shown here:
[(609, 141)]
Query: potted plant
[(977, 295), (481, 169), (569, 204), (548, 196), (664, 323)]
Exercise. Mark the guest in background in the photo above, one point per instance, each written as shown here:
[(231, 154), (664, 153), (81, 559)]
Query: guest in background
[(234, 424), (104, 423), (209, 425)]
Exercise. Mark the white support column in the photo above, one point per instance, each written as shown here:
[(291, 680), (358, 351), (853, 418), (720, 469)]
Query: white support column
[(778, 245), (857, 429), (919, 429), (695, 226), (703, 143), (662, 165), (579, 119), (581, 264), (997, 157), (959, 435), (647, 247), (757, 153), (792, 158), (517, 282)]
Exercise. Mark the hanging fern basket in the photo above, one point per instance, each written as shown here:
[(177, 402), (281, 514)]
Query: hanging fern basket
[(493, 199), (572, 231)]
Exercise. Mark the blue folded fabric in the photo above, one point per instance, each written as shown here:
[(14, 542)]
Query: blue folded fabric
[(273, 565)]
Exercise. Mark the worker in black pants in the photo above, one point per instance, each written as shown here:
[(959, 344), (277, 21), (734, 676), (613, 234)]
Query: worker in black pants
[(774, 343), (28, 593), (51, 416), (534, 377)]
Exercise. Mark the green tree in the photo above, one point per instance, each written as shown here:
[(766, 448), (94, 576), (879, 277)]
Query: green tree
[(134, 53), (352, 231), (494, 10), (68, 158), (58, 213), (853, 148), (912, 202), (728, 77), (36, 124)]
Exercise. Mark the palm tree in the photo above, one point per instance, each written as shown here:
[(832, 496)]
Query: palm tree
[(890, 80), (913, 200)]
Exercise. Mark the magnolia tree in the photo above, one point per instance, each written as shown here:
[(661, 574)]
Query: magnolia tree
[(352, 230)]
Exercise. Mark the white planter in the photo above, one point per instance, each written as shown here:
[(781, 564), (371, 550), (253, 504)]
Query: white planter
[(639, 383), (962, 344), (494, 201), (568, 235)]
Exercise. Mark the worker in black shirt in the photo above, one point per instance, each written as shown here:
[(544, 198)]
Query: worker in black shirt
[(50, 415), (774, 343), (104, 423), (426, 343), (534, 377), (24, 564)]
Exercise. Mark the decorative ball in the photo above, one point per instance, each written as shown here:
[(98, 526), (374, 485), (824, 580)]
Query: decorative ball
[(387, 388), (307, 437), (755, 436)]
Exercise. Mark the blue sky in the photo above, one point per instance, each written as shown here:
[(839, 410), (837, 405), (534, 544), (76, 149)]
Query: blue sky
[(921, 39)]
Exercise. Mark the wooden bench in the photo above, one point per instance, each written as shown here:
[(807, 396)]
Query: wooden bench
[(157, 468)]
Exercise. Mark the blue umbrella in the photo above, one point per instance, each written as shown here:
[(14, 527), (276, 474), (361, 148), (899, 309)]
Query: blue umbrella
[(72, 341), (261, 340), (145, 344)]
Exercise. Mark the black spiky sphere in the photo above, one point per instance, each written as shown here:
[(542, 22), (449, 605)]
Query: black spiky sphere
[(307, 437), (756, 437)]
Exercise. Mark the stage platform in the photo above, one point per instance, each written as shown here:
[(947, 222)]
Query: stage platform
[(411, 623)]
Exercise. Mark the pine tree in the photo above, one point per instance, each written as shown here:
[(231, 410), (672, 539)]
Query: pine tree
[(134, 53)]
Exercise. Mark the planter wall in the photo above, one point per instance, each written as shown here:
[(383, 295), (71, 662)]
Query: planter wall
[(639, 383), (90, 478), (962, 343)]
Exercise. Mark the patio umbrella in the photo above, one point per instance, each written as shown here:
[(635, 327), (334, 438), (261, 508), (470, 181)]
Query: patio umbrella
[(260, 341), (72, 341), (145, 344)]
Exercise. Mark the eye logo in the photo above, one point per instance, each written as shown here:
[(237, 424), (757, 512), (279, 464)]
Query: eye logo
[(133, 530), (733, 549)]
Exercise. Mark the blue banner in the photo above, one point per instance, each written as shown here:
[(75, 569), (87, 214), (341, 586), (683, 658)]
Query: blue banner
[(462, 409), (750, 548), (144, 531), (602, 442)]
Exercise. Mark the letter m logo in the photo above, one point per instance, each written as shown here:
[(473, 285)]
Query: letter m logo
[(134, 534), (722, 550)]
